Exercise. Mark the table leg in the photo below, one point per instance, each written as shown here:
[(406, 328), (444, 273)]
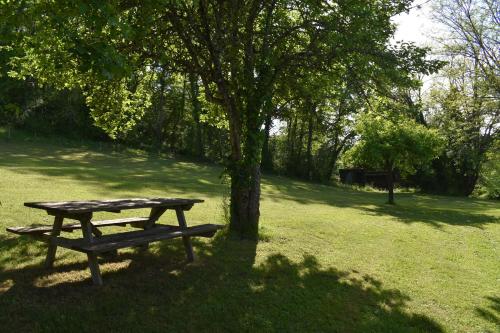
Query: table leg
[(185, 239), (51, 252), (94, 269), (87, 229)]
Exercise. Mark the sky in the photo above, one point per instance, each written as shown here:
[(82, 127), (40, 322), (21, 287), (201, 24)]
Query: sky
[(416, 26)]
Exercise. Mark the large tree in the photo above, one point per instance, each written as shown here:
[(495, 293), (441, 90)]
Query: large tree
[(239, 49), (465, 102)]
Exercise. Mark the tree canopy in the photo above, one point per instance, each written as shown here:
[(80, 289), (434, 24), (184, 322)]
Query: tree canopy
[(239, 52), (464, 102)]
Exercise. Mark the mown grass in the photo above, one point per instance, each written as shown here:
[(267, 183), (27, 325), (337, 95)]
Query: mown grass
[(330, 259)]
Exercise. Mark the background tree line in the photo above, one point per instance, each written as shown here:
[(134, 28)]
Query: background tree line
[(272, 85)]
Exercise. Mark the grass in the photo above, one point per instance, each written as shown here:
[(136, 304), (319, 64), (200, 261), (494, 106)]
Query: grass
[(330, 259)]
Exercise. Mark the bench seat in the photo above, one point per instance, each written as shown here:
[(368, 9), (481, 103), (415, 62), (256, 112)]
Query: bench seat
[(41, 229), (134, 238)]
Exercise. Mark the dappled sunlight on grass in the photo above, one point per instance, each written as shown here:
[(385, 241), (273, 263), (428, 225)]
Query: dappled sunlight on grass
[(275, 294), (118, 173), (329, 259), (435, 216), (81, 274), (129, 173), (492, 311), (6, 285)]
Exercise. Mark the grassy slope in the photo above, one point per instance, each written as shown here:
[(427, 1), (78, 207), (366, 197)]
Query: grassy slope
[(331, 259)]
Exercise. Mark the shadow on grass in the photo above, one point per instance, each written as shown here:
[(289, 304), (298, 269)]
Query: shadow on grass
[(110, 171), (223, 290), (410, 208), (18, 249), (492, 313), (435, 216), (113, 171)]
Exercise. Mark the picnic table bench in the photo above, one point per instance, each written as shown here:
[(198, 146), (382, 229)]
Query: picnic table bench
[(94, 243)]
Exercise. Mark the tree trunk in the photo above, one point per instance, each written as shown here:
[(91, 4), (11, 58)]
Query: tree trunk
[(267, 160), (244, 168), (177, 118), (331, 165), (292, 131), (196, 111), (245, 196), (297, 164), (470, 182), (159, 126), (309, 141), (390, 186)]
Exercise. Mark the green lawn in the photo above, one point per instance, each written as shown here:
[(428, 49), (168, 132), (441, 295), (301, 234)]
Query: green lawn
[(330, 259)]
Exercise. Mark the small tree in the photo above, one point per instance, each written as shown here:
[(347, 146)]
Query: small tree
[(392, 141)]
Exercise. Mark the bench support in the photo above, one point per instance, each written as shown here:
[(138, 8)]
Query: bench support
[(154, 215), (185, 239)]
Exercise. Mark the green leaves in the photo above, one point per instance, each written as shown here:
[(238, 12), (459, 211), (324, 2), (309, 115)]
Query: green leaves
[(391, 140), (117, 105)]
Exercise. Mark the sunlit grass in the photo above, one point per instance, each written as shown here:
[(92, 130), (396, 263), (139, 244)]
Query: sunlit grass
[(330, 259)]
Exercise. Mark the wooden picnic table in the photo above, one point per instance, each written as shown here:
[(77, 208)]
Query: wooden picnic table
[(94, 243)]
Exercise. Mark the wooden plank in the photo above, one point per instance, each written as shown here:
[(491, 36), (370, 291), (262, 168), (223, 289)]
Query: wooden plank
[(79, 207), (70, 216), (78, 243), (31, 230), (40, 229), (153, 237), (135, 238)]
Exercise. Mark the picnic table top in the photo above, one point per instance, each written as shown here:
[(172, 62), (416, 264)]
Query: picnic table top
[(89, 206)]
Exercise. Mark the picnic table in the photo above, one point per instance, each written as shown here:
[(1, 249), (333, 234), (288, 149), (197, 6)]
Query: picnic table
[(94, 243)]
